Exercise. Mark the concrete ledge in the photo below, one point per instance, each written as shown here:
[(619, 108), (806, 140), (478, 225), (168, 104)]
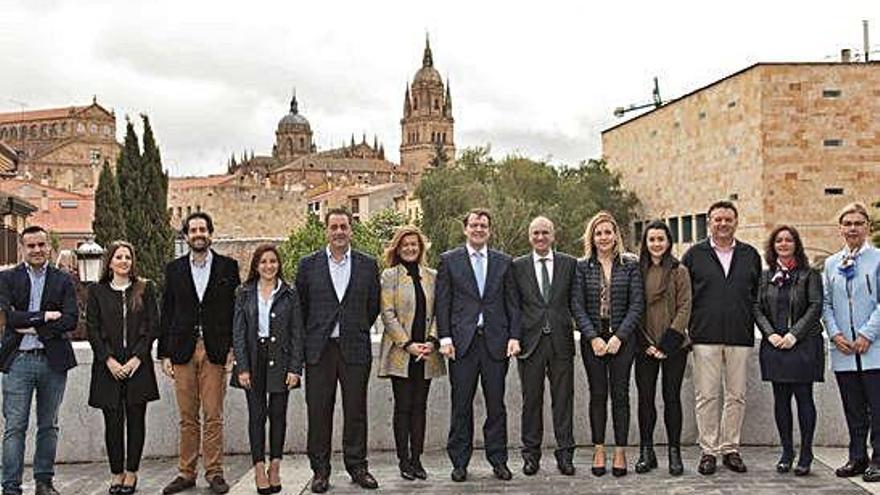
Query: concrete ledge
[(82, 430)]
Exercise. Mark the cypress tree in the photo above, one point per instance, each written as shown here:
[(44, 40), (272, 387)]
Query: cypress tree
[(108, 224), (130, 179), (158, 237)]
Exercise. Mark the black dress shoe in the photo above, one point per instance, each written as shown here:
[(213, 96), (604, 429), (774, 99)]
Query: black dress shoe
[(708, 464), (177, 485), (676, 467), (802, 470), (647, 459), (872, 474), (530, 466), (566, 467), (459, 474), (266, 490), (128, 489), (501, 472), (734, 462), (783, 466), (114, 489), (320, 483), (275, 488), (418, 470), (45, 488), (406, 470), (364, 479), (851, 468)]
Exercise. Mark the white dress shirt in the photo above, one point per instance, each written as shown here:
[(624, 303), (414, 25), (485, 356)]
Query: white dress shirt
[(201, 273), (340, 273), (536, 259)]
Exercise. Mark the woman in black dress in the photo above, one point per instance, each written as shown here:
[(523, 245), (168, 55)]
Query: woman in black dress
[(787, 311), (122, 322)]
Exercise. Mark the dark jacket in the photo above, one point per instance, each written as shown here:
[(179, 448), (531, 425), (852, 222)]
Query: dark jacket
[(722, 311), (458, 302), (805, 304), (627, 298), (58, 295), (285, 353), (356, 312), (182, 311), (536, 313), (105, 324)]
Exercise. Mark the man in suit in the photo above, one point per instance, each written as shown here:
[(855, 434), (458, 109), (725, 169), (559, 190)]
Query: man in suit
[(478, 324), (39, 304), (194, 345), (544, 279), (339, 293)]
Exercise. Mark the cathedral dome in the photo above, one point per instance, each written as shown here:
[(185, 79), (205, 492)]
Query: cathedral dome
[(427, 74), (294, 117)]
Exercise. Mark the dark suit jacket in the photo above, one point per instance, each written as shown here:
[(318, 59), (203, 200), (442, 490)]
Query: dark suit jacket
[(458, 302), (536, 314), (181, 310), (355, 313), (59, 294)]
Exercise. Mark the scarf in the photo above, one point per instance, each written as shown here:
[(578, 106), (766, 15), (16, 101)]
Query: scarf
[(847, 266), (784, 269)]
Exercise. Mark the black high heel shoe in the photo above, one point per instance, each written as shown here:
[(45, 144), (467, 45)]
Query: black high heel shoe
[(784, 464), (128, 489), (598, 470)]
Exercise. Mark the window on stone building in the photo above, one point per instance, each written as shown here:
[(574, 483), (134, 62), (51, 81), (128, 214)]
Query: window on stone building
[(733, 197), (833, 191), (63, 128), (415, 102), (198, 208), (107, 130), (189, 210), (638, 228), (673, 226), (44, 130), (831, 93), (701, 226), (80, 128), (355, 206), (687, 228), (93, 128), (94, 157), (436, 104), (832, 143), (731, 103), (702, 115), (302, 143)]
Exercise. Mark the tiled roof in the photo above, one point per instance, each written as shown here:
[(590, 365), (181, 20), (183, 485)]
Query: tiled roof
[(206, 181), (340, 165), (45, 114), (68, 212)]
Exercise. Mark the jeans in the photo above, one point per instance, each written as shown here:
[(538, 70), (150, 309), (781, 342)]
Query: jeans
[(29, 373)]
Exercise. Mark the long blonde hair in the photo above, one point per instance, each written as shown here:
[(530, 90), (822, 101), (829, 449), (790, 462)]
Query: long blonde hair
[(590, 250), (392, 257)]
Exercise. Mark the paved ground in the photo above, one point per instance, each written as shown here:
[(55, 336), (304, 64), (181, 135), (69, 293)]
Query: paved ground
[(761, 479)]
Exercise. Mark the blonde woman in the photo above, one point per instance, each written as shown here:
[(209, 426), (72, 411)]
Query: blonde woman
[(607, 301), (409, 352)]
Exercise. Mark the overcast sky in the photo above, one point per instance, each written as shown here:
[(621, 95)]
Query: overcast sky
[(535, 78)]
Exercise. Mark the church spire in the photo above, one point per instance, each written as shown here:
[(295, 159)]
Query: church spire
[(407, 103), (428, 59), (294, 105), (448, 106)]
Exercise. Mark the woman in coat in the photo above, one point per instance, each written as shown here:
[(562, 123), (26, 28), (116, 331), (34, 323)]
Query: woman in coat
[(408, 353), (266, 336), (122, 321), (664, 344), (792, 355), (852, 319), (607, 302)]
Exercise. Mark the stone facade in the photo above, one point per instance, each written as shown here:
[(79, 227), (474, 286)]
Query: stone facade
[(788, 143), (62, 147)]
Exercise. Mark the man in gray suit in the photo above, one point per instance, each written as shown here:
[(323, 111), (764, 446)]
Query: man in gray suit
[(544, 279)]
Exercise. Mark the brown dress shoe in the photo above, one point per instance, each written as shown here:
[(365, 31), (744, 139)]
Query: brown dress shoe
[(177, 485), (218, 484), (320, 483)]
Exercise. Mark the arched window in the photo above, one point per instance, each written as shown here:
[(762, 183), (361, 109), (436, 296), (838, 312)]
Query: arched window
[(44, 130), (433, 137), (33, 131), (302, 143), (290, 145), (415, 102), (436, 104), (93, 128)]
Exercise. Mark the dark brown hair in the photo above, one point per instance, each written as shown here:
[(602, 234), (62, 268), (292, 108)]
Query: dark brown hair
[(667, 259), (338, 211), (479, 212), (137, 284), (727, 205), (254, 272), (770, 255)]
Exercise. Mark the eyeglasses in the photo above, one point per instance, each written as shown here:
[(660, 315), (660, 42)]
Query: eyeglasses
[(859, 223)]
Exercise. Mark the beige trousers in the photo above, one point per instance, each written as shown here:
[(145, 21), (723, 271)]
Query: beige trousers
[(720, 373)]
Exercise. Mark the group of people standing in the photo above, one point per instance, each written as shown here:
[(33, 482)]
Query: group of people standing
[(475, 312)]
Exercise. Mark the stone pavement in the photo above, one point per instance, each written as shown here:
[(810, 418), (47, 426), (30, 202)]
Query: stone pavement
[(761, 479)]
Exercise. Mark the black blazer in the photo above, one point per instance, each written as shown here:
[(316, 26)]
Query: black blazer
[(104, 324), (458, 303), (181, 310), (722, 307), (284, 349), (805, 303), (627, 298), (355, 313), (59, 294), (536, 314)]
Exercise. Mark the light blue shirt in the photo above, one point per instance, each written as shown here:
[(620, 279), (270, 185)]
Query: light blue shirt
[(264, 309), (38, 283), (201, 274), (480, 264), (853, 307), (340, 273)]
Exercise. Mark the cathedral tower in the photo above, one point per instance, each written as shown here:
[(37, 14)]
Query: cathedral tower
[(427, 123), (293, 138)]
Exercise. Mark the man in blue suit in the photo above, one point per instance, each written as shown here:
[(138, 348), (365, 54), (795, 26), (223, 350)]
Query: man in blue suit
[(39, 304), (479, 329)]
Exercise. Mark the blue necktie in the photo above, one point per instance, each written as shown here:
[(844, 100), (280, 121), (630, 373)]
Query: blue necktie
[(479, 271)]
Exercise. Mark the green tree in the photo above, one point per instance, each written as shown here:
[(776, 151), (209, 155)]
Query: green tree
[(875, 228), (372, 236), (131, 186), (108, 224), (157, 239), (309, 237)]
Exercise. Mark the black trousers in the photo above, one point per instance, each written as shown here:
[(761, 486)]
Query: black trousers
[(559, 370), (803, 395), (410, 404), (647, 370), (609, 374), (130, 417), (860, 394), (262, 406), (464, 373), (321, 380)]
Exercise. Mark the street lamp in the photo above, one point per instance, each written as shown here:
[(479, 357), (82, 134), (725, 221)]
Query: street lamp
[(657, 103), (89, 256)]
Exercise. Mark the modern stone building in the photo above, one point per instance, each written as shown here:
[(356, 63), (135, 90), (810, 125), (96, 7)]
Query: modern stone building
[(787, 142), (62, 147)]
